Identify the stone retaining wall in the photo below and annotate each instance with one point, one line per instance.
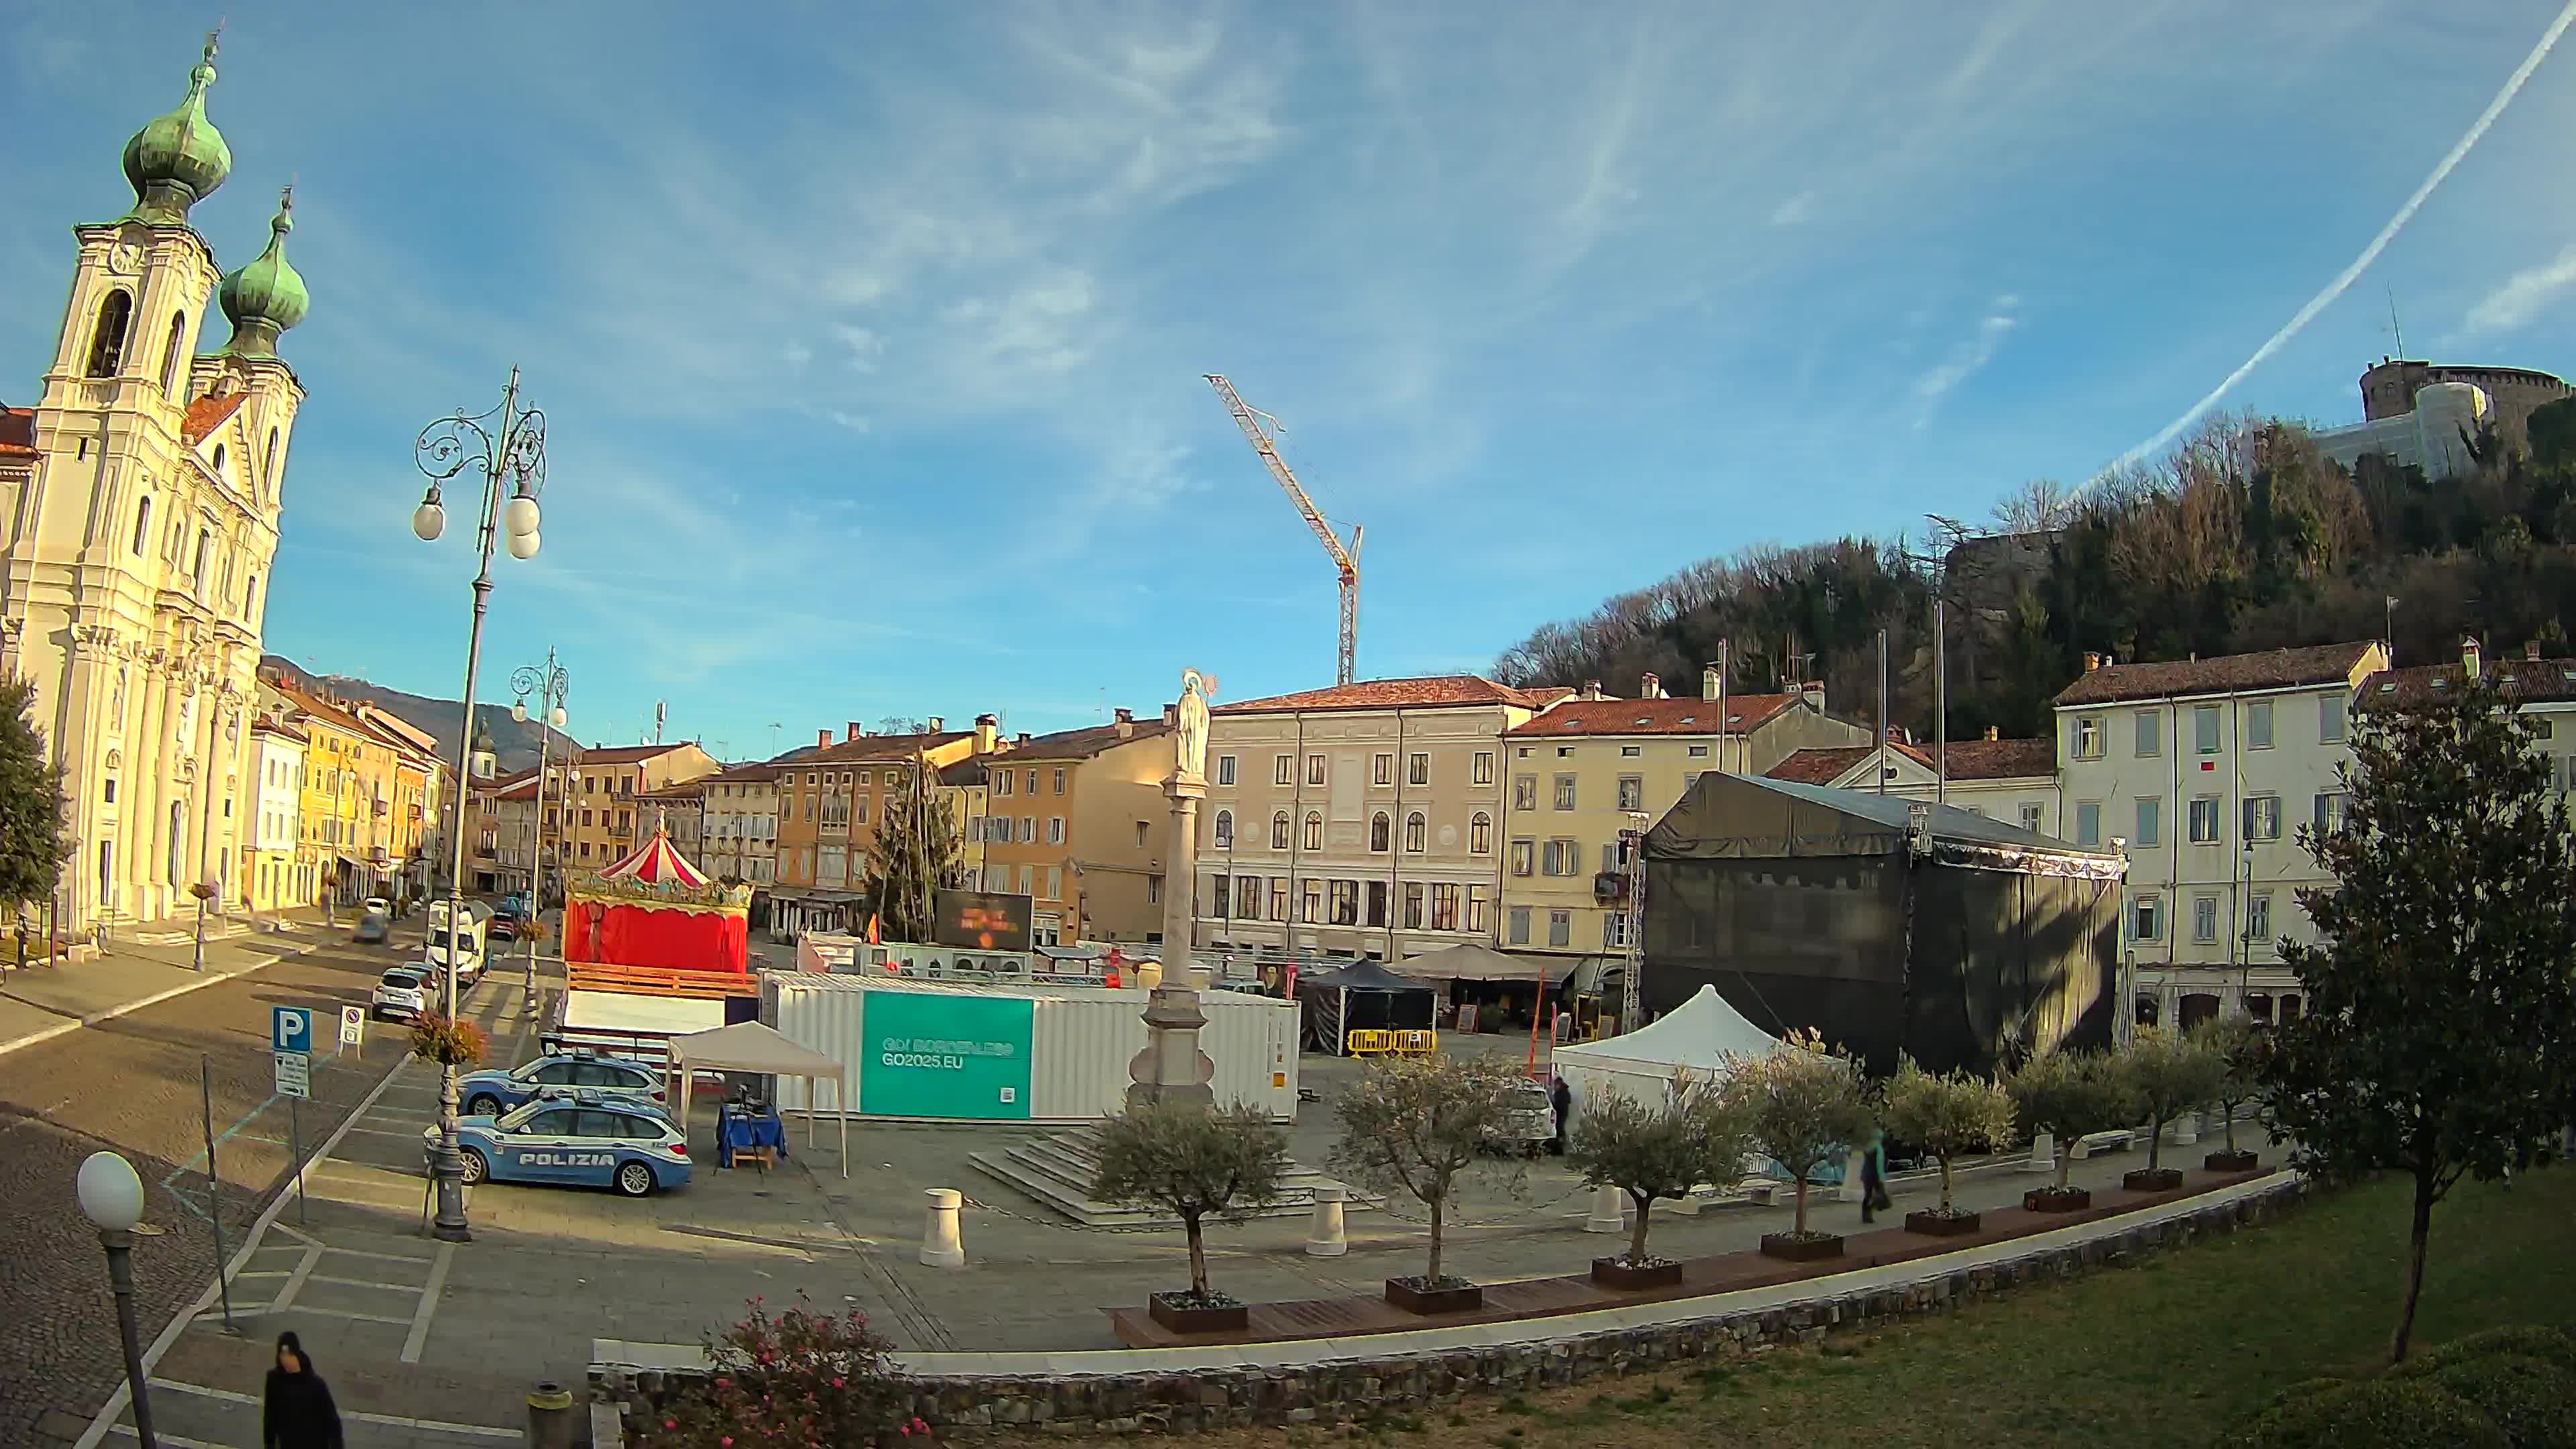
(1346, 1388)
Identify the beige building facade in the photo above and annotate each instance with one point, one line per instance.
(1078, 822)
(742, 825)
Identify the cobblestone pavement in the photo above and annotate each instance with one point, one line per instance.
(132, 1084)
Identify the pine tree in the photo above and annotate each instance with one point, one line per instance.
(2440, 1035)
(914, 853)
(32, 846)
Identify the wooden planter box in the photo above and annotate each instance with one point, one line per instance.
(2051, 1200)
(1934, 1225)
(1409, 1295)
(2152, 1179)
(1611, 1273)
(1792, 1248)
(2239, 1160)
(1173, 1311)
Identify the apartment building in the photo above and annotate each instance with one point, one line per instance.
(681, 811)
(365, 799)
(2545, 688)
(601, 814)
(830, 801)
(1580, 771)
(273, 881)
(742, 827)
(1078, 821)
(506, 837)
(965, 788)
(2014, 781)
(1364, 820)
(2204, 769)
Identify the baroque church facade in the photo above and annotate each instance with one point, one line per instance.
(142, 516)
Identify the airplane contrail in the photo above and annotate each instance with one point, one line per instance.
(2345, 278)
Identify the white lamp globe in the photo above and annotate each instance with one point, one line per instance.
(428, 521)
(519, 515)
(519, 711)
(111, 1196)
(557, 719)
(523, 545)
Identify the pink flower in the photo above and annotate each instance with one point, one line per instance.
(670, 1423)
(725, 1443)
(907, 1431)
(836, 1383)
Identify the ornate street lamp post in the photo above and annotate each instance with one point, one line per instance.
(111, 1197)
(508, 447)
(550, 685)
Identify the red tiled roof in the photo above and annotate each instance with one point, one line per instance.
(629, 754)
(1819, 766)
(271, 724)
(1084, 743)
(759, 772)
(17, 432)
(1744, 712)
(2533, 679)
(685, 790)
(2226, 674)
(882, 747)
(207, 414)
(1439, 691)
(1969, 760)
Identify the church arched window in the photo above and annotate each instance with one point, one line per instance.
(170, 354)
(250, 598)
(219, 460)
(268, 466)
(142, 524)
(107, 339)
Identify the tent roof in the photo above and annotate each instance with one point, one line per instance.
(1469, 961)
(1759, 816)
(1363, 975)
(1702, 1032)
(656, 862)
(748, 1046)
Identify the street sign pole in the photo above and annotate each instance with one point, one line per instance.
(215, 1190)
(295, 1144)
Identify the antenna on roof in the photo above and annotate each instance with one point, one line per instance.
(2398, 331)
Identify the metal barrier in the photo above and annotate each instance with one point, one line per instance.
(1374, 1041)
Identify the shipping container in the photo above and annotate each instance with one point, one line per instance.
(1002, 1053)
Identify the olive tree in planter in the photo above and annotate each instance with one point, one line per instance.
(1698, 1134)
(1417, 1125)
(1194, 1164)
(2239, 1047)
(1949, 1116)
(1802, 1103)
(2169, 1074)
(2071, 1094)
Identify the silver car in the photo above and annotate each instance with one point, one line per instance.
(1528, 1124)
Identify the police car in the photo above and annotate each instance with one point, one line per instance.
(491, 1093)
(590, 1139)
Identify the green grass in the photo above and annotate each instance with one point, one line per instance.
(2169, 1352)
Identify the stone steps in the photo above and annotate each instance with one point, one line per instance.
(1056, 1173)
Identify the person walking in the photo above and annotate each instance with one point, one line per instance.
(1873, 1177)
(297, 1412)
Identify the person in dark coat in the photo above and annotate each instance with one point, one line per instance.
(1873, 1178)
(1561, 1098)
(297, 1412)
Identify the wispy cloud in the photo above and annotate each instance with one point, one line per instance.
(1794, 210)
(1965, 360)
(2521, 297)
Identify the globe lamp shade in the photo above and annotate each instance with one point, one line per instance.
(519, 711)
(523, 545)
(428, 521)
(557, 719)
(111, 1196)
(519, 515)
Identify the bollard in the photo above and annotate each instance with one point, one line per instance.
(2184, 1130)
(2043, 1153)
(940, 1247)
(550, 1417)
(1609, 1211)
(1324, 1235)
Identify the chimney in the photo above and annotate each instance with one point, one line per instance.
(1127, 723)
(1591, 690)
(1708, 682)
(1650, 687)
(2531, 650)
(854, 731)
(939, 724)
(1023, 738)
(987, 728)
(1814, 692)
(822, 739)
(2469, 656)
(2092, 661)
(1990, 732)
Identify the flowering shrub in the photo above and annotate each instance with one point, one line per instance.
(448, 1042)
(797, 1379)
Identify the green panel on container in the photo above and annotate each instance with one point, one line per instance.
(946, 1056)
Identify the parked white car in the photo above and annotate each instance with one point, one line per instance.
(403, 994)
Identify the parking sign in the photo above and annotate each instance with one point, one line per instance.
(290, 1029)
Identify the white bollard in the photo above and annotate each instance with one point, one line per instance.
(2043, 1153)
(1609, 1211)
(1685, 1206)
(940, 1247)
(1324, 1235)
(2184, 1130)
(1850, 1189)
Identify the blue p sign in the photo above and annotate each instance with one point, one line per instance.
(290, 1029)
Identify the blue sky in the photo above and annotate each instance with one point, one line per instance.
(872, 336)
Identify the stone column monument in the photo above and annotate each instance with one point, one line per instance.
(1171, 1068)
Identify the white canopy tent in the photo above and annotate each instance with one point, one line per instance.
(1698, 1037)
(748, 1046)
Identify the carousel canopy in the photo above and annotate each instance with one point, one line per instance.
(657, 862)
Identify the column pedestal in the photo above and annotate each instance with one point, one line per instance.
(1171, 1068)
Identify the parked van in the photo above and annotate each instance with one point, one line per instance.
(462, 946)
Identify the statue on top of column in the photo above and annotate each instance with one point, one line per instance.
(1190, 738)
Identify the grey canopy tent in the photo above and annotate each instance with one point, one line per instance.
(1362, 996)
(748, 1046)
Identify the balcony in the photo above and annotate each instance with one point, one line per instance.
(1610, 886)
(621, 832)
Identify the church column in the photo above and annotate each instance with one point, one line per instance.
(149, 869)
(89, 666)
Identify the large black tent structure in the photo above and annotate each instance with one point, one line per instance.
(1362, 996)
(1889, 925)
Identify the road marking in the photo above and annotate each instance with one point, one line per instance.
(333, 1313)
(365, 1283)
(396, 1420)
(420, 1317)
(295, 1281)
(381, 1257)
(155, 999)
(172, 1439)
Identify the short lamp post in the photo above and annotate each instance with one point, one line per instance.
(550, 685)
(508, 447)
(111, 1197)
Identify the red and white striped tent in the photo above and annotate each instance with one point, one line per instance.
(657, 862)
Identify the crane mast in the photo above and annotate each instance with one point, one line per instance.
(1345, 559)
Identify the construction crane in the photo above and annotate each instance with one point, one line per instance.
(1347, 560)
